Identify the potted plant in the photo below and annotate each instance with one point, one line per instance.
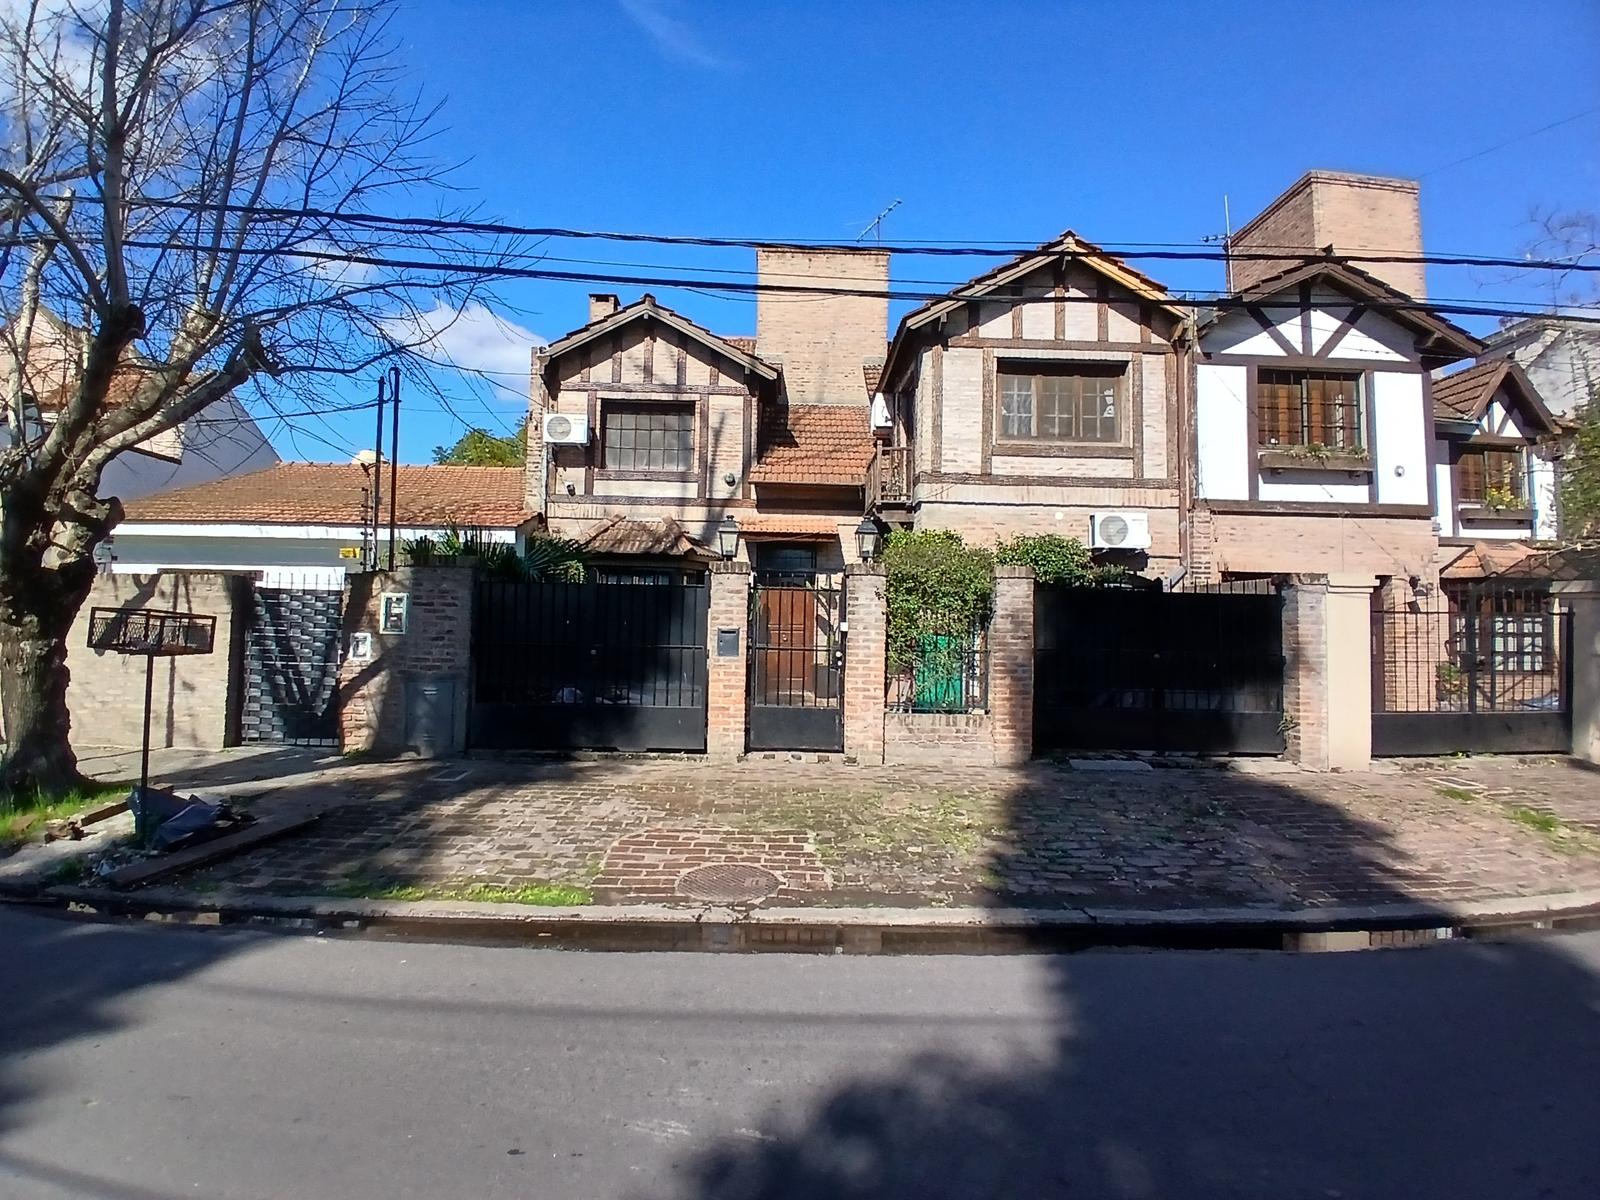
(1315, 456)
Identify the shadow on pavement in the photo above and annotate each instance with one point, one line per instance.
(1434, 1072)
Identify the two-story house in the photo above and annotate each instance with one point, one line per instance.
(1044, 396)
(655, 438)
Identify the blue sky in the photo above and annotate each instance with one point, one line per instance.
(998, 121)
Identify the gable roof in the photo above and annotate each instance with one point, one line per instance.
(660, 537)
(1357, 284)
(1466, 395)
(1067, 244)
(827, 444)
(645, 308)
(330, 494)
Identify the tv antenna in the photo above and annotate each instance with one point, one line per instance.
(875, 226)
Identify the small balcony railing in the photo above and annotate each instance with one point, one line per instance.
(889, 477)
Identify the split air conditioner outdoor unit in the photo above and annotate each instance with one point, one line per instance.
(1119, 530)
(564, 429)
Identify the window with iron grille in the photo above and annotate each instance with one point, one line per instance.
(647, 437)
(1076, 402)
(1308, 408)
(1486, 474)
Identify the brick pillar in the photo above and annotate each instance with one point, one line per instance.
(727, 691)
(1011, 665)
(1582, 599)
(1202, 547)
(434, 652)
(866, 647)
(1327, 643)
(1305, 660)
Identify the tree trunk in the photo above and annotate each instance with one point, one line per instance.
(35, 622)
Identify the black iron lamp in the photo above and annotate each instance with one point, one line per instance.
(728, 537)
(869, 539)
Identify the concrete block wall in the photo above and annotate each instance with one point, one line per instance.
(195, 696)
(1327, 641)
(436, 648)
(727, 691)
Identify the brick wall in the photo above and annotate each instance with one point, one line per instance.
(436, 647)
(195, 697)
(865, 661)
(823, 340)
(727, 693)
(1011, 664)
(946, 739)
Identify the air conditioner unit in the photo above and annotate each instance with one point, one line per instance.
(566, 429)
(1119, 530)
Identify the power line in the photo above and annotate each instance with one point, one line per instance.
(1510, 141)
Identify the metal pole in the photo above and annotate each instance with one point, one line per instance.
(377, 476)
(141, 817)
(394, 454)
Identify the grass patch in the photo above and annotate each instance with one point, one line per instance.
(541, 895)
(23, 818)
(1534, 819)
(1460, 795)
(855, 827)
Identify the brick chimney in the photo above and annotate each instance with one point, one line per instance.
(602, 305)
(1355, 214)
(822, 340)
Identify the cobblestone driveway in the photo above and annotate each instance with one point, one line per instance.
(1043, 835)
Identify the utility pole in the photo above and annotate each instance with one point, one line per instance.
(394, 458)
(377, 476)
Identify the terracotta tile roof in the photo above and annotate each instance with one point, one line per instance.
(662, 537)
(1483, 559)
(741, 342)
(330, 494)
(813, 443)
(124, 383)
(872, 375)
(794, 523)
(1458, 396)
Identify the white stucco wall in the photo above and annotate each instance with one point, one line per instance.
(1402, 430)
(1542, 491)
(1222, 432)
(1444, 490)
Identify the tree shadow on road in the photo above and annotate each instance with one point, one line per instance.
(1450, 1071)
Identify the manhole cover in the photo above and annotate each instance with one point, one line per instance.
(728, 882)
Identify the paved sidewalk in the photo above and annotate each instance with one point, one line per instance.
(1260, 836)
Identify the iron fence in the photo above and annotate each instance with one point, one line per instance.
(942, 674)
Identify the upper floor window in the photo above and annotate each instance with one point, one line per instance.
(1073, 402)
(647, 437)
(1483, 476)
(1308, 408)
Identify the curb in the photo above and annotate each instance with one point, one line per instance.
(844, 930)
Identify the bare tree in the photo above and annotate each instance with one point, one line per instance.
(1569, 236)
(167, 173)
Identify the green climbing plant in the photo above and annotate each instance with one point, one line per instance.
(1058, 560)
(936, 587)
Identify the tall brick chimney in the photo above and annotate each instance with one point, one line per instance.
(1353, 213)
(602, 305)
(822, 340)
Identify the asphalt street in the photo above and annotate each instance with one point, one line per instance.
(139, 1063)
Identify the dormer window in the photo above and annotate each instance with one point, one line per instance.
(1072, 402)
(1308, 408)
(1494, 478)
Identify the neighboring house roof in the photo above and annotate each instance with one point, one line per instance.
(331, 494)
(739, 350)
(872, 375)
(660, 537)
(792, 526)
(1069, 243)
(1466, 395)
(1483, 559)
(828, 444)
(1359, 285)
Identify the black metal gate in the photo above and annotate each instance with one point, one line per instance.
(796, 665)
(1484, 669)
(291, 667)
(1120, 669)
(589, 666)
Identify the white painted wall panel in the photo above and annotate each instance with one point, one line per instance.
(1377, 337)
(1039, 314)
(994, 320)
(1154, 391)
(1331, 488)
(1402, 432)
(1222, 432)
(962, 419)
(1444, 491)
(1542, 491)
